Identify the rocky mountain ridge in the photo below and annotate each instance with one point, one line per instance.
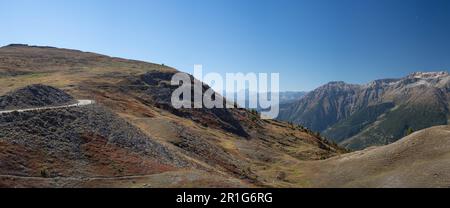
(337, 108)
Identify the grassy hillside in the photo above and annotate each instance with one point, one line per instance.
(356, 122)
(419, 160)
(222, 147)
(394, 125)
(131, 137)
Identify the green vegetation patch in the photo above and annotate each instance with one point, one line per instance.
(357, 122)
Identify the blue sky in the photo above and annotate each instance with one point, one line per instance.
(308, 42)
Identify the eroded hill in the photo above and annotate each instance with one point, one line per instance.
(175, 148)
(34, 96)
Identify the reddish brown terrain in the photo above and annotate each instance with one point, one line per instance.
(131, 136)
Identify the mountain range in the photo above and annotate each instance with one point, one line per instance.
(377, 113)
(284, 97)
(129, 135)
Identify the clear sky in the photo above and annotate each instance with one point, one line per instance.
(308, 42)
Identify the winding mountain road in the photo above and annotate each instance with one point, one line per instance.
(79, 103)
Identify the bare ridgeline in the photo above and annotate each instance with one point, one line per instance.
(132, 137)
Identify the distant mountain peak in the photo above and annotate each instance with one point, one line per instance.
(337, 83)
(334, 85)
(427, 75)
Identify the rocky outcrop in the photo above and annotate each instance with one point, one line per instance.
(34, 96)
(161, 90)
(88, 141)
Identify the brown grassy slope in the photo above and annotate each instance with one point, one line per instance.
(421, 159)
(263, 156)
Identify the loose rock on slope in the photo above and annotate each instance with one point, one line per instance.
(34, 96)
